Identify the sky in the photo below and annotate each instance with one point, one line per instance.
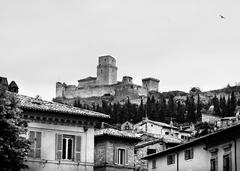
(183, 43)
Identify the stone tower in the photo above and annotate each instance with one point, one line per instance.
(151, 84)
(106, 70)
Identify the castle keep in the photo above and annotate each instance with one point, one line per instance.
(106, 84)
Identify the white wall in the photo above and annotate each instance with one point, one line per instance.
(200, 161)
(48, 148)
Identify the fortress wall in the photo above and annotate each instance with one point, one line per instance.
(89, 91)
(59, 89)
(87, 83)
(129, 90)
(142, 91)
(153, 86)
(112, 75)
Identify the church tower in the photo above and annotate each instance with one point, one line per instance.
(106, 70)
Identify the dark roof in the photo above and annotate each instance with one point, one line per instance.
(116, 133)
(30, 103)
(87, 79)
(13, 85)
(226, 133)
(150, 78)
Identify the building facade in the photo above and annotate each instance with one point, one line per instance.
(114, 150)
(219, 151)
(160, 128)
(151, 144)
(62, 136)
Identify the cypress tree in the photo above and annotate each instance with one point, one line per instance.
(199, 108)
(229, 106)
(233, 104)
(216, 105)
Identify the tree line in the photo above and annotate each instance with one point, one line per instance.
(223, 107)
(162, 110)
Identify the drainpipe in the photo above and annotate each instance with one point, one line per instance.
(177, 162)
(235, 151)
(86, 150)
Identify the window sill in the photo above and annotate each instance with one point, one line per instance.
(172, 164)
(59, 163)
(188, 160)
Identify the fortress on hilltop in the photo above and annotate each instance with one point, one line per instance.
(106, 84)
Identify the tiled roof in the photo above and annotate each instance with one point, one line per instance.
(159, 138)
(31, 103)
(156, 123)
(116, 133)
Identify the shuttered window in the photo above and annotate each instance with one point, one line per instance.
(171, 159)
(188, 154)
(35, 148)
(68, 147)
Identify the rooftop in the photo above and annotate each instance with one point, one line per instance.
(164, 138)
(87, 79)
(162, 124)
(116, 133)
(150, 78)
(36, 104)
(228, 132)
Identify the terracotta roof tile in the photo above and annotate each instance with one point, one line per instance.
(31, 103)
(116, 133)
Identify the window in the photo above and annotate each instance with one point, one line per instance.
(227, 158)
(171, 159)
(35, 148)
(67, 152)
(154, 164)
(127, 127)
(151, 151)
(213, 164)
(227, 162)
(189, 154)
(121, 156)
(68, 147)
(214, 160)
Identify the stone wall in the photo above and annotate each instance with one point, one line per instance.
(90, 82)
(141, 165)
(104, 154)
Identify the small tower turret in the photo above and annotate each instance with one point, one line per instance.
(127, 80)
(151, 84)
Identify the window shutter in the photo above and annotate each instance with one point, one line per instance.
(78, 148)
(115, 155)
(32, 146)
(126, 153)
(58, 146)
(38, 145)
(168, 160)
(186, 154)
(191, 153)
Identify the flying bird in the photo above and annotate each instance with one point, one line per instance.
(222, 17)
